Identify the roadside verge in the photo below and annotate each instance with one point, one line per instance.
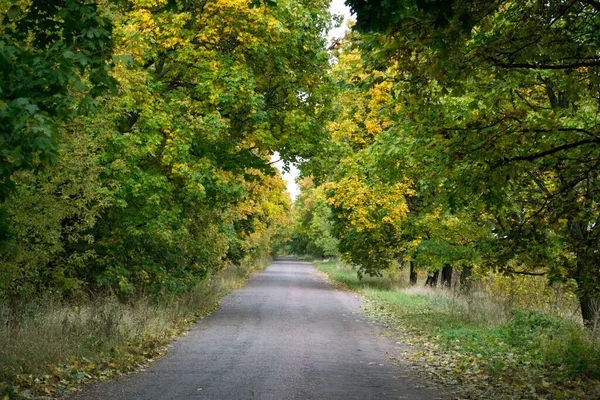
(477, 350)
(57, 348)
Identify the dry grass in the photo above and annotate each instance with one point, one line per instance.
(532, 292)
(50, 346)
(493, 342)
(507, 293)
(478, 306)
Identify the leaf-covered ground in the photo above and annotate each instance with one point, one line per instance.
(474, 351)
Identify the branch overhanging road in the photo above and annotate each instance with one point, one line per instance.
(287, 334)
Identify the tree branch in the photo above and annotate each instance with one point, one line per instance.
(532, 157)
(595, 63)
(512, 271)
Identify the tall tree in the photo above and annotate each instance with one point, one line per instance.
(168, 178)
(502, 100)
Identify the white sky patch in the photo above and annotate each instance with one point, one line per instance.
(337, 7)
(289, 177)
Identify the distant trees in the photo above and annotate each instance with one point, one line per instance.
(311, 232)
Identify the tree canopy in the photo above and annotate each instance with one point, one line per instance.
(480, 118)
(138, 134)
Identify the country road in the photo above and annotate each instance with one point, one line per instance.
(287, 334)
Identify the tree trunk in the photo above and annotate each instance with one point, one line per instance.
(447, 275)
(587, 311)
(432, 279)
(465, 282)
(589, 304)
(413, 274)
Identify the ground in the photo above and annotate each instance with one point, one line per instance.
(287, 334)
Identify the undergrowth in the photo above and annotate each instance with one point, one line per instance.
(479, 349)
(52, 347)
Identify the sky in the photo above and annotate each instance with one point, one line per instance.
(337, 7)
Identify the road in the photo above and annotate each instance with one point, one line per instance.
(287, 334)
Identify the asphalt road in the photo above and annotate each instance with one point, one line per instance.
(287, 334)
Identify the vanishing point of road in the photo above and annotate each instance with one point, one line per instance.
(287, 334)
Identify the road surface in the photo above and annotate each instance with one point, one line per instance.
(287, 334)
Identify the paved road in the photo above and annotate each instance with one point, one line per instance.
(287, 334)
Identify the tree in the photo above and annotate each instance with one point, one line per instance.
(312, 231)
(500, 99)
(51, 53)
(209, 90)
(175, 179)
(51, 212)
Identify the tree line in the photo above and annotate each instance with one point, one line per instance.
(137, 136)
(464, 133)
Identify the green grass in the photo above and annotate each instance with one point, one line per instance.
(51, 347)
(348, 278)
(476, 347)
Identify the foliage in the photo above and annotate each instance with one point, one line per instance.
(167, 178)
(312, 223)
(51, 214)
(53, 60)
(486, 114)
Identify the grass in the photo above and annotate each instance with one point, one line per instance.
(53, 347)
(477, 347)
